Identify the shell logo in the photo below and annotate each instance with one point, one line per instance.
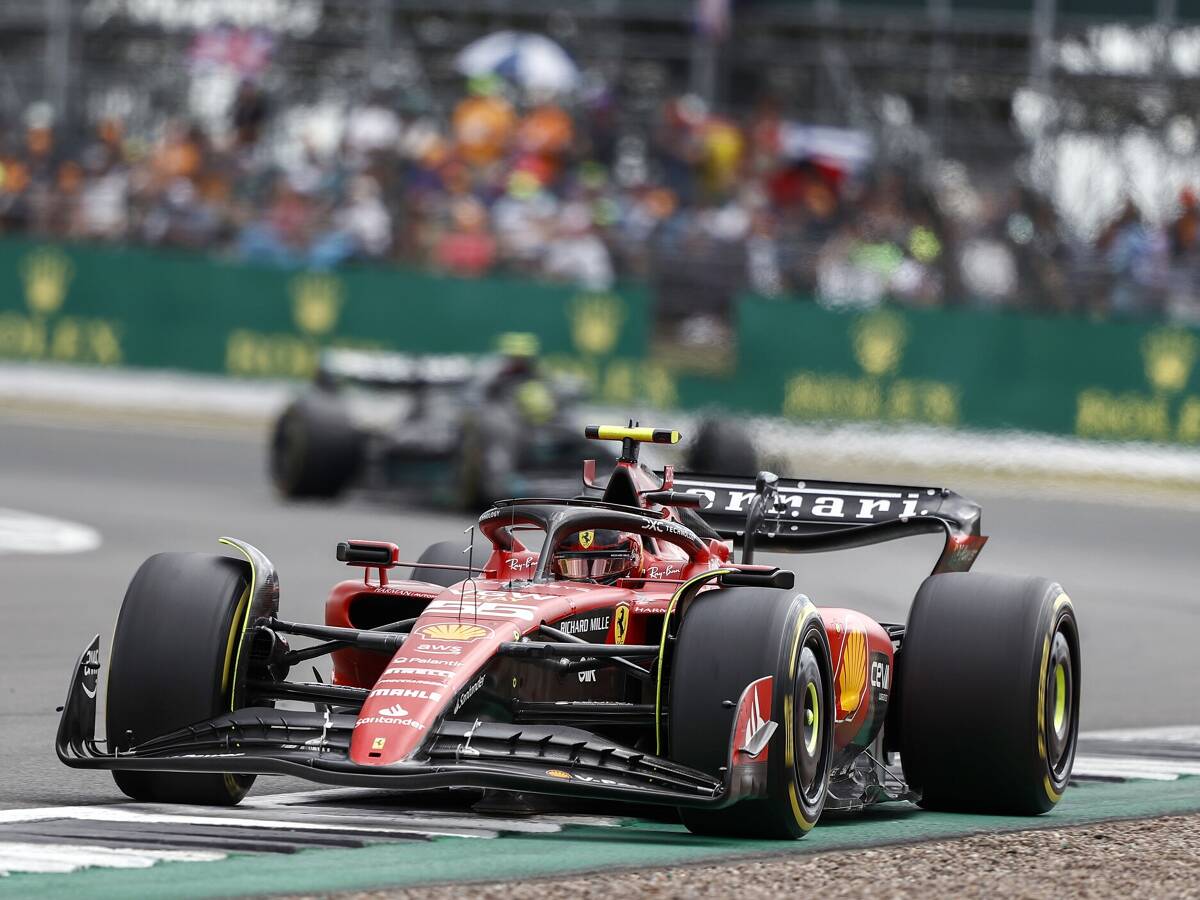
(451, 631)
(852, 674)
(558, 773)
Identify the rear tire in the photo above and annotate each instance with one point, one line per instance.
(443, 553)
(727, 639)
(988, 682)
(722, 447)
(174, 663)
(315, 448)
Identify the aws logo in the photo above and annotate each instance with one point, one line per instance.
(1165, 413)
(42, 332)
(877, 342)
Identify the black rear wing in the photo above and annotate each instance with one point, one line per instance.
(396, 371)
(808, 516)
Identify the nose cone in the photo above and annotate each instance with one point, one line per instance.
(438, 661)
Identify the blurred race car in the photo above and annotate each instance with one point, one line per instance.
(611, 647)
(448, 430)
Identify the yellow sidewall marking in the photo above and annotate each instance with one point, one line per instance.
(1060, 696)
(237, 660)
(234, 633)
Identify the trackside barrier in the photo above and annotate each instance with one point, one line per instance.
(107, 306)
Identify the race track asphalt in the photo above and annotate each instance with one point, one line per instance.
(1132, 570)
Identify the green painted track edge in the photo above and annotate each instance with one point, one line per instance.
(578, 849)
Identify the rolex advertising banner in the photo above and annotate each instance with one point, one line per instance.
(123, 307)
(1114, 380)
(131, 307)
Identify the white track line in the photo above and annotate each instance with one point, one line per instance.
(16, 856)
(1166, 734)
(109, 814)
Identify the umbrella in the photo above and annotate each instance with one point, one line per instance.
(530, 60)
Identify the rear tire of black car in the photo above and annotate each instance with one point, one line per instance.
(315, 449)
(722, 447)
(174, 663)
(987, 684)
(443, 553)
(727, 639)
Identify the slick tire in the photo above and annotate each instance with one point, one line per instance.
(173, 663)
(727, 639)
(722, 447)
(987, 684)
(443, 553)
(315, 449)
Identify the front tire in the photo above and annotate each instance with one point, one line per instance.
(988, 690)
(315, 449)
(443, 553)
(174, 663)
(727, 639)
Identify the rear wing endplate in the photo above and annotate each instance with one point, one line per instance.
(808, 516)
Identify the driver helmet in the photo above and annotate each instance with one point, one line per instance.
(597, 556)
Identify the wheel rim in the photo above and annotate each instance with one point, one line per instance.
(1060, 704)
(809, 737)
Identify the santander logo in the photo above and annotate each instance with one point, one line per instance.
(396, 710)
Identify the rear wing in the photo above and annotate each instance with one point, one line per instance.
(807, 516)
(397, 371)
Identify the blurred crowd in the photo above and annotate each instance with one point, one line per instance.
(530, 186)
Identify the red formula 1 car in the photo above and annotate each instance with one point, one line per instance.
(608, 647)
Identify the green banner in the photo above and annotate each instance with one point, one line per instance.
(128, 307)
(1115, 380)
(110, 307)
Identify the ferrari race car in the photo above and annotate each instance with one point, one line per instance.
(611, 647)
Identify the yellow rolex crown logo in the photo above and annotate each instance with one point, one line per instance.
(47, 273)
(454, 632)
(596, 323)
(316, 303)
(879, 340)
(1169, 356)
(853, 677)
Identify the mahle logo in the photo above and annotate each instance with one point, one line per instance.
(1168, 360)
(316, 303)
(596, 321)
(46, 274)
(877, 342)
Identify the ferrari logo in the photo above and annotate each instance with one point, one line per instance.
(586, 538)
(620, 623)
(378, 743)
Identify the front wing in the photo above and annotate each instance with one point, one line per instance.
(542, 759)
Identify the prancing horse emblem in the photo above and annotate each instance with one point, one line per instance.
(586, 538)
